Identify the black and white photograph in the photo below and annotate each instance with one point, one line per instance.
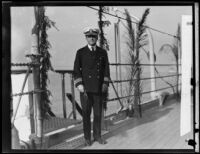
(100, 76)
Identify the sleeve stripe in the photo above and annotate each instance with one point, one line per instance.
(78, 80)
(106, 79)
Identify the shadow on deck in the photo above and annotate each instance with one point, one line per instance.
(159, 128)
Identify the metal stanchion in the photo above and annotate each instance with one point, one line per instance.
(73, 96)
(63, 94)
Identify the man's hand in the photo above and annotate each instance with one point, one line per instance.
(81, 88)
(104, 88)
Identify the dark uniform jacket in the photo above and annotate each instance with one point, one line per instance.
(91, 68)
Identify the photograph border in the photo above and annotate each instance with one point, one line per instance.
(6, 68)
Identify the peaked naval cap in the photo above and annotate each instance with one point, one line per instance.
(91, 31)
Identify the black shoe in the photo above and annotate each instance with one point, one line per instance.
(101, 141)
(88, 143)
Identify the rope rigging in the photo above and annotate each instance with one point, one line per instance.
(135, 22)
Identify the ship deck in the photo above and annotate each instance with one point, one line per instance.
(159, 128)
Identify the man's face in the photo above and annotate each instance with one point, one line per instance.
(92, 39)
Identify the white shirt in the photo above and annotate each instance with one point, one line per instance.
(90, 47)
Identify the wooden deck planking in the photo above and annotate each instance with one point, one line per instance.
(166, 139)
(172, 135)
(164, 133)
(159, 128)
(134, 133)
(150, 134)
(154, 131)
(181, 142)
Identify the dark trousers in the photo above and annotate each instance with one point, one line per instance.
(92, 100)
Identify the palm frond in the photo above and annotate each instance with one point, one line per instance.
(141, 28)
(131, 70)
(168, 48)
(44, 23)
(130, 30)
(103, 41)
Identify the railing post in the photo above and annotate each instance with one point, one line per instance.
(31, 110)
(73, 96)
(63, 94)
(116, 52)
(34, 114)
(37, 100)
(119, 56)
(35, 58)
(152, 62)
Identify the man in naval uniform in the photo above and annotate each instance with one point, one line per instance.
(91, 74)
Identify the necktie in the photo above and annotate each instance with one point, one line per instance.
(92, 49)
